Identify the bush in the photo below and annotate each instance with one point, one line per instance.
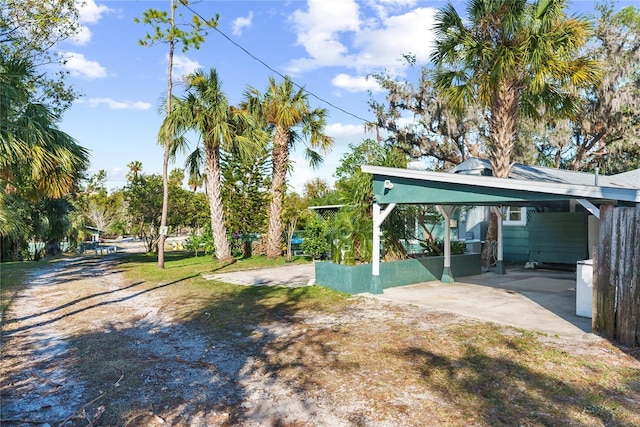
(315, 238)
(202, 243)
(436, 248)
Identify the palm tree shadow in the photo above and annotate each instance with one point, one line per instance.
(83, 309)
(502, 391)
(208, 363)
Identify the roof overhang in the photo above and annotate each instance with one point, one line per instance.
(408, 186)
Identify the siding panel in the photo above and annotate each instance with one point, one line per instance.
(558, 237)
(516, 243)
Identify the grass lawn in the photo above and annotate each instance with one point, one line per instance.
(369, 362)
(12, 276)
(473, 372)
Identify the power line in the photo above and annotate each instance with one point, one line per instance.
(277, 72)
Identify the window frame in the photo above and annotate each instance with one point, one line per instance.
(523, 216)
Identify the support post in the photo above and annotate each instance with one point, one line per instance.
(499, 262)
(446, 211)
(378, 218)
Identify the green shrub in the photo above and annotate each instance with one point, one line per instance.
(315, 238)
(436, 248)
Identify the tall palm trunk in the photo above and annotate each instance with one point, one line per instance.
(279, 172)
(214, 192)
(502, 127)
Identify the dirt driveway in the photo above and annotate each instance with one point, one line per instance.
(190, 379)
(84, 346)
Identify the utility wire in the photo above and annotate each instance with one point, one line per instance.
(277, 72)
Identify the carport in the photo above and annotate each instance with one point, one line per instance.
(534, 300)
(447, 191)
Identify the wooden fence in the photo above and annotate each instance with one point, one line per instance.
(616, 276)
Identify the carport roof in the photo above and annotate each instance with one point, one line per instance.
(408, 186)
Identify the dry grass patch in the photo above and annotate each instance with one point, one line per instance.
(458, 373)
(165, 347)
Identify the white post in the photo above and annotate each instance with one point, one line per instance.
(378, 218)
(375, 268)
(499, 264)
(446, 211)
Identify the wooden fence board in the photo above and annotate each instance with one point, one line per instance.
(627, 312)
(616, 291)
(603, 321)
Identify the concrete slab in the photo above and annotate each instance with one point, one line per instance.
(291, 276)
(536, 300)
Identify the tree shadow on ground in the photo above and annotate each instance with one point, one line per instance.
(499, 391)
(212, 354)
(201, 367)
(152, 258)
(8, 332)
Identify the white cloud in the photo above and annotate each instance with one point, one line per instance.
(115, 176)
(327, 16)
(90, 12)
(241, 23)
(407, 33)
(83, 36)
(372, 36)
(116, 105)
(183, 65)
(301, 173)
(343, 134)
(318, 31)
(383, 8)
(79, 66)
(355, 84)
(339, 130)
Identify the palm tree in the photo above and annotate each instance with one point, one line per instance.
(206, 110)
(33, 150)
(135, 168)
(165, 30)
(37, 160)
(513, 58)
(284, 109)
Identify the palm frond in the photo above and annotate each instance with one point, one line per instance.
(194, 164)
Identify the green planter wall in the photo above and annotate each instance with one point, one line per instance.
(355, 279)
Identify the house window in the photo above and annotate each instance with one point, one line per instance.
(515, 216)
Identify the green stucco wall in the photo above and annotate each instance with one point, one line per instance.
(355, 279)
(558, 237)
(516, 243)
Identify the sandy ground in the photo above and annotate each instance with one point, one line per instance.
(204, 383)
(40, 387)
(188, 379)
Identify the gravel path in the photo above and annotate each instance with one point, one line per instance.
(182, 377)
(84, 346)
(190, 380)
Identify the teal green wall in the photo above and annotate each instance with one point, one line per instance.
(414, 191)
(558, 237)
(438, 232)
(354, 279)
(516, 243)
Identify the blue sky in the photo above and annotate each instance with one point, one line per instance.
(327, 46)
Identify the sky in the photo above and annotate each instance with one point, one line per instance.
(329, 47)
